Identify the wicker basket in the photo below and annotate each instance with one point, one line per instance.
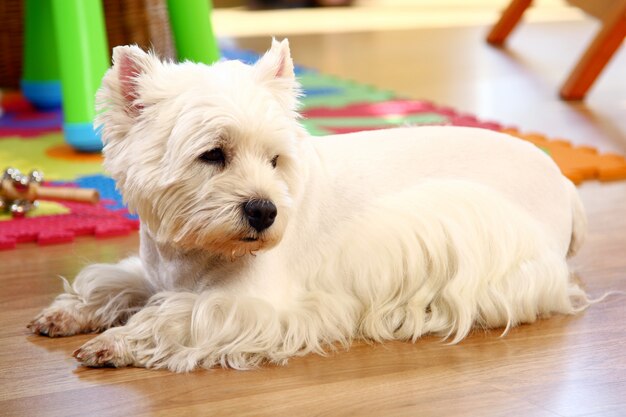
(11, 42)
(143, 22)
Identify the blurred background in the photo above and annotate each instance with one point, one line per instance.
(234, 17)
(422, 49)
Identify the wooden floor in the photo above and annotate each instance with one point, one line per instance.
(564, 366)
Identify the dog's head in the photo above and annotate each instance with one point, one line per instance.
(206, 155)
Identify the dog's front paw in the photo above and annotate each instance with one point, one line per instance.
(55, 322)
(106, 350)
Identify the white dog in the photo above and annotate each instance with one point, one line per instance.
(259, 242)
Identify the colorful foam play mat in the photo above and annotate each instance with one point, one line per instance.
(32, 139)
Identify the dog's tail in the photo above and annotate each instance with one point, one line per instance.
(579, 221)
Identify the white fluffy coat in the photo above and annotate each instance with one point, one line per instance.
(379, 235)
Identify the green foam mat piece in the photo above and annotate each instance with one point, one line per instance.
(31, 153)
(348, 92)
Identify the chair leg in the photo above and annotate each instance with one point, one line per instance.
(597, 55)
(40, 75)
(509, 19)
(83, 60)
(192, 30)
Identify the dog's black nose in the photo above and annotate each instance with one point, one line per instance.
(260, 213)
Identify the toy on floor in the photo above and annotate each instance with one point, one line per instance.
(19, 192)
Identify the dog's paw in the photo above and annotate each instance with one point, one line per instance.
(105, 350)
(56, 323)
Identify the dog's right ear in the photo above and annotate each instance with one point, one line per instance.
(130, 63)
(119, 99)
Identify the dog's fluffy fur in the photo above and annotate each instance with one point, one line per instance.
(378, 235)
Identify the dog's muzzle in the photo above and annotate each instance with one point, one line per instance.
(260, 214)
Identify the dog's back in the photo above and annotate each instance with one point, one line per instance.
(366, 165)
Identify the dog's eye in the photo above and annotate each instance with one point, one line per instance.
(274, 161)
(214, 156)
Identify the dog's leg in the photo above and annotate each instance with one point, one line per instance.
(183, 331)
(102, 296)
(579, 221)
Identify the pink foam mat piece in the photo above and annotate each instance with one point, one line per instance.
(398, 107)
(384, 108)
(84, 219)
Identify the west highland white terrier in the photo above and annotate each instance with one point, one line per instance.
(260, 242)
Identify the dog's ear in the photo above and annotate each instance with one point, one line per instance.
(119, 100)
(276, 63)
(129, 64)
(275, 70)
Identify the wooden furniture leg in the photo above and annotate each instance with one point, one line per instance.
(597, 55)
(509, 19)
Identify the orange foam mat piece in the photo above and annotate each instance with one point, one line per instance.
(578, 163)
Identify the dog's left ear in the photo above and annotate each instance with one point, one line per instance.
(276, 63)
(275, 70)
